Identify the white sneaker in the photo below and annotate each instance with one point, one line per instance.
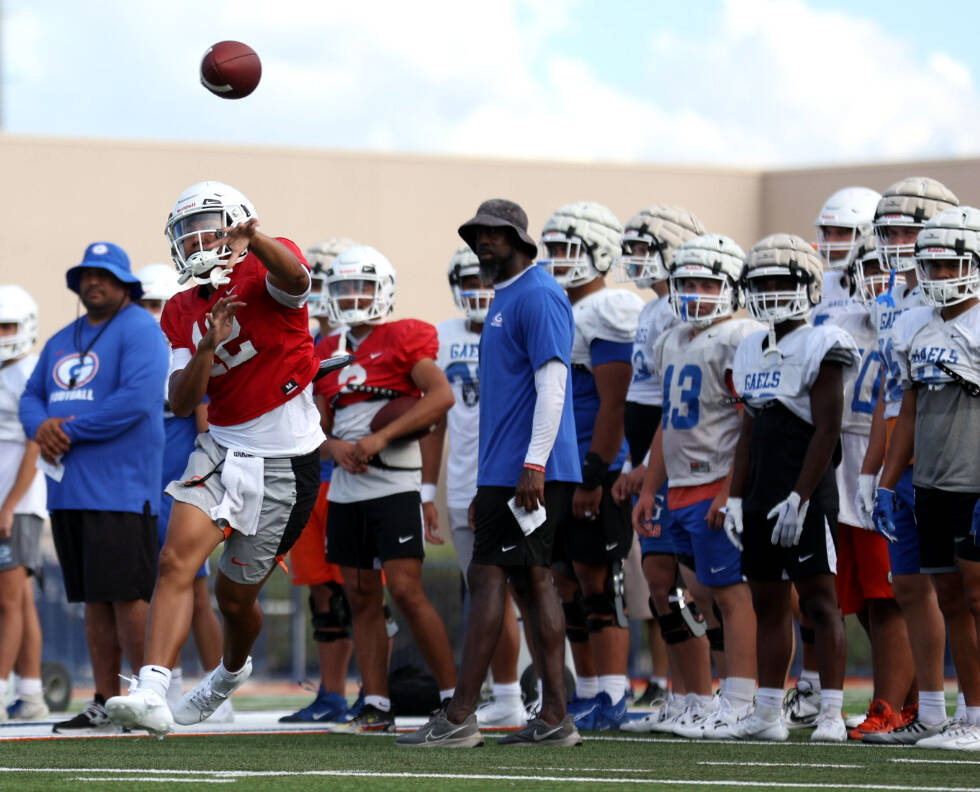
(949, 735)
(224, 714)
(501, 713)
(141, 709)
(830, 728)
(801, 706)
(660, 721)
(27, 707)
(724, 723)
(968, 739)
(206, 696)
(174, 693)
(693, 719)
(762, 726)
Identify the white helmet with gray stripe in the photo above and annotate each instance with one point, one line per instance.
(582, 241)
(794, 261)
(473, 302)
(903, 209)
(650, 238)
(947, 256)
(708, 257)
(320, 256)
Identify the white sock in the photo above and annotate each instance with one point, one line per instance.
(932, 707)
(155, 678)
(382, 703)
(587, 687)
(446, 694)
(613, 685)
(831, 701)
(813, 677)
(739, 690)
(506, 691)
(177, 677)
(769, 701)
(224, 680)
(960, 707)
(973, 716)
(29, 686)
(540, 688)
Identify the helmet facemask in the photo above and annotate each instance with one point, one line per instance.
(835, 244)
(567, 259)
(472, 298)
(642, 260)
(895, 236)
(20, 342)
(780, 304)
(872, 279)
(701, 307)
(960, 279)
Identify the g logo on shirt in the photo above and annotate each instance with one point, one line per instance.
(72, 371)
(498, 320)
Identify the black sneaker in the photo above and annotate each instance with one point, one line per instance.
(369, 719)
(92, 717)
(439, 732)
(653, 697)
(537, 732)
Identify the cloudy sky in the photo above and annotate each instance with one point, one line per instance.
(734, 82)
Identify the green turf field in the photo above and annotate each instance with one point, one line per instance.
(344, 762)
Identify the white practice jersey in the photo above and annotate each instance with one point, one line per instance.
(835, 299)
(884, 314)
(860, 391)
(607, 315)
(700, 419)
(459, 358)
(923, 339)
(788, 375)
(13, 379)
(656, 317)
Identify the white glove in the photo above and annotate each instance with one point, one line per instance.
(864, 500)
(733, 522)
(789, 520)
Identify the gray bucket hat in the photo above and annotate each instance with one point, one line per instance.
(499, 213)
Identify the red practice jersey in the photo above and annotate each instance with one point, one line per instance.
(268, 358)
(383, 363)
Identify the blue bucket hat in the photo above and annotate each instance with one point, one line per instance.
(105, 255)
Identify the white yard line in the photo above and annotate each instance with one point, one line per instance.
(777, 764)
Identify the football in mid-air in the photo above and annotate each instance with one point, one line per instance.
(396, 408)
(230, 69)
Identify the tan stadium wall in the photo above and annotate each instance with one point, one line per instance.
(61, 194)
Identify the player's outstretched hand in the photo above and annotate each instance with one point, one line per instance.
(733, 522)
(789, 514)
(886, 505)
(864, 500)
(237, 238)
(221, 322)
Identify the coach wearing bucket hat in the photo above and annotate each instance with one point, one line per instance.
(94, 405)
(528, 466)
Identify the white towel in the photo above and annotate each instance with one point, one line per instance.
(243, 478)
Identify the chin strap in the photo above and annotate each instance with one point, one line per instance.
(772, 349)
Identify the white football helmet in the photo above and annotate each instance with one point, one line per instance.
(320, 256)
(360, 287)
(869, 276)
(204, 208)
(589, 236)
(473, 302)
(782, 256)
(708, 257)
(906, 205)
(852, 208)
(951, 237)
(17, 307)
(649, 240)
(159, 282)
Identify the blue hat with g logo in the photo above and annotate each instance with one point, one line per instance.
(107, 256)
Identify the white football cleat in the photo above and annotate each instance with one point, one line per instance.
(201, 702)
(141, 709)
(762, 726)
(801, 705)
(501, 713)
(830, 728)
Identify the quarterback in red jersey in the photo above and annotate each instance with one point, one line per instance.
(375, 517)
(240, 337)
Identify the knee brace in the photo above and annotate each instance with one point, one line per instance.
(391, 626)
(610, 603)
(681, 622)
(575, 619)
(716, 638)
(334, 624)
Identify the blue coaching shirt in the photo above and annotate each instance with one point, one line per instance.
(529, 323)
(116, 458)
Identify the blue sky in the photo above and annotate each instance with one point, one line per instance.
(745, 83)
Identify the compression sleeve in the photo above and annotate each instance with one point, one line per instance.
(550, 381)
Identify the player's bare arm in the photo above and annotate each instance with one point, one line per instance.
(189, 385)
(900, 446)
(286, 272)
(432, 445)
(22, 483)
(612, 381)
(437, 398)
(654, 476)
(826, 407)
(875, 454)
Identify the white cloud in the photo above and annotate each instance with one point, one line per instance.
(767, 82)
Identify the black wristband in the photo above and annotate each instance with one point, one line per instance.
(593, 471)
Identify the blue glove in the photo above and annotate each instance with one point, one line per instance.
(886, 504)
(975, 529)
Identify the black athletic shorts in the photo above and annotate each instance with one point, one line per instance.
(499, 540)
(106, 556)
(943, 520)
(777, 447)
(365, 534)
(640, 422)
(606, 538)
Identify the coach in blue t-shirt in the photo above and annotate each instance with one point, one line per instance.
(94, 405)
(528, 456)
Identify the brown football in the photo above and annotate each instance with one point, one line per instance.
(230, 69)
(396, 408)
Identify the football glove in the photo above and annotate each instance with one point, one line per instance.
(886, 504)
(864, 501)
(789, 516)
(733, 522)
